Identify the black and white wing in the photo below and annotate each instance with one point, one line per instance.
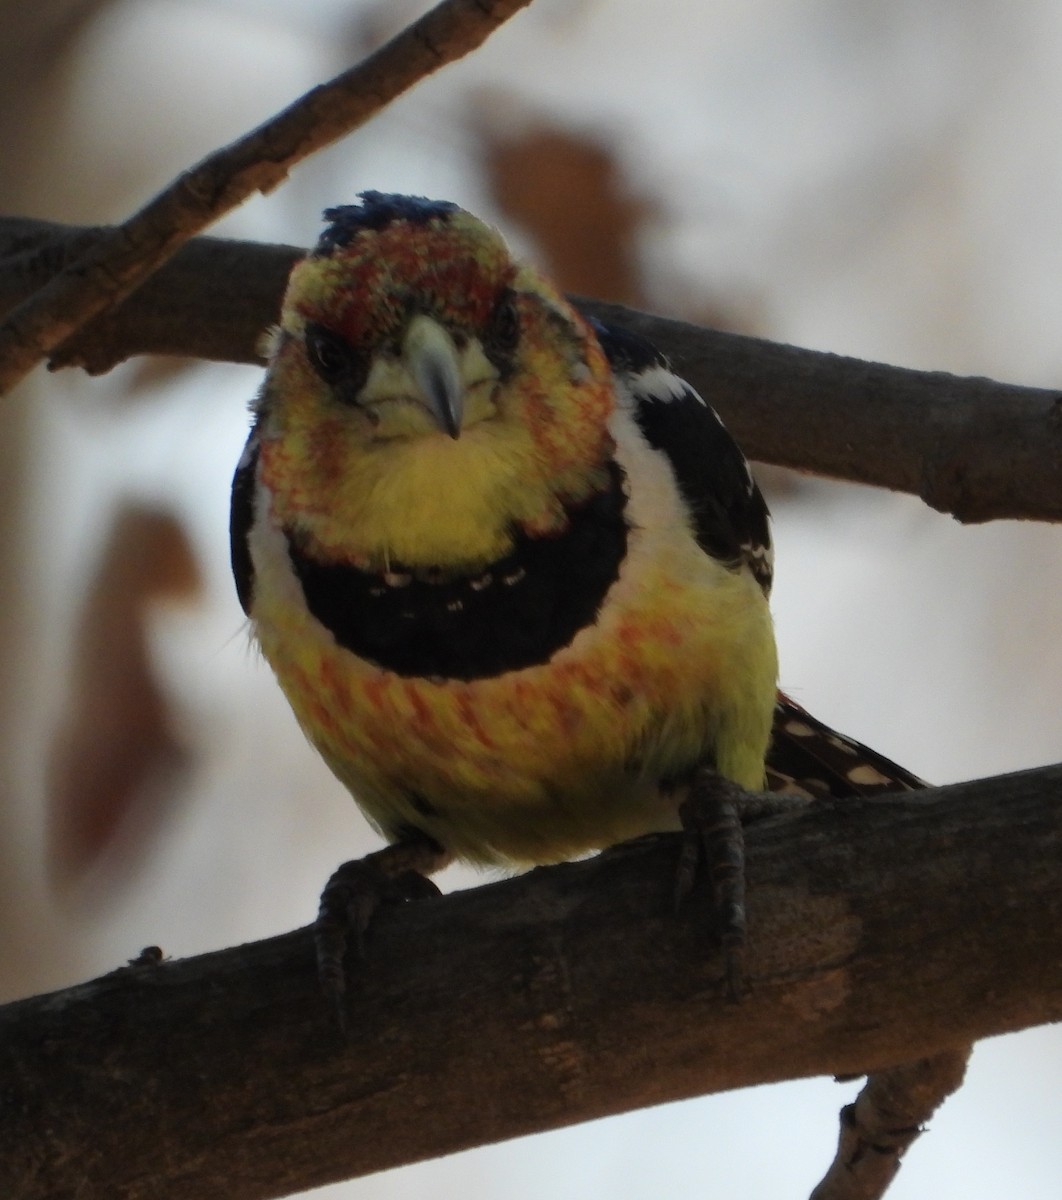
(729, 513)
(731, 522)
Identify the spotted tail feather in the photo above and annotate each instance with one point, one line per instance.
(809, 758)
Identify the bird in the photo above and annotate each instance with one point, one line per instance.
(511, 572)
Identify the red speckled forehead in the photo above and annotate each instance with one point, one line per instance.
(453, 267)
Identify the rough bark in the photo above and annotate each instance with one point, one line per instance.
(885, 1119)
(881, 932)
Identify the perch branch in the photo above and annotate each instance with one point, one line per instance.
(882, 931)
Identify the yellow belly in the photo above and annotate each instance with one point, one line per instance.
(548, 762)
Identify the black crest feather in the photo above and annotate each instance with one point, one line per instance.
(376, 211)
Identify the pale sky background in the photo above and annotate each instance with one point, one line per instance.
(881, 179)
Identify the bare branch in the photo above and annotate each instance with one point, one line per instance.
(882, 932)
(971, 447)
(888, 1114)
(213, 299)
(974, 448)
(122, 257)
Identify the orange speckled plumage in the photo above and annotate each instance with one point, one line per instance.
(674, 667)
(541, 764)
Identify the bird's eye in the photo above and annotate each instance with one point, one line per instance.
(330, 355)
(503, 331)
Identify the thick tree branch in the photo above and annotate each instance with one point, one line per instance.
(119, 259)
(971, 447)
(881, 932)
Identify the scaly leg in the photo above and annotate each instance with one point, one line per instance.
(354, 893)
(713, 815)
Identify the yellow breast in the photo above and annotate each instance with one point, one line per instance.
(554, 760)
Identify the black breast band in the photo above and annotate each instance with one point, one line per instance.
(514, 613)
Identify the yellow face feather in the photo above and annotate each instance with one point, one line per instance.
(374, 477)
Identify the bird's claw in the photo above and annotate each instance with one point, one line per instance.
(714, 840)
(713, 817)
(350, 900)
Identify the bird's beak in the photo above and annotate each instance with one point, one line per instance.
(432, 359)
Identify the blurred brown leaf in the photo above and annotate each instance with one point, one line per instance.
(567, 189)
(115, 756)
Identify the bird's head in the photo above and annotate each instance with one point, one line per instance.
(426, 394)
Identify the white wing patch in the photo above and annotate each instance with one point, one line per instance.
(760, 559)
(660, 383)
(722, 502)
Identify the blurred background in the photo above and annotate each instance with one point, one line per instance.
(881, 179)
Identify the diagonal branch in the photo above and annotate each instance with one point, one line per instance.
(882, 931)
(120, 258)
(971, 447)
(888, 1114)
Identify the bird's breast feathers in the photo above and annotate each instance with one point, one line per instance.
(672, 663)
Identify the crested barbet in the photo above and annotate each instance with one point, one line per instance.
(510, 570)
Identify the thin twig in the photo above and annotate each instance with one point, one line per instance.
(124, 256)
(886, 1117)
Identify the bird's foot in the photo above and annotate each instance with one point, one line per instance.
(713, 815)
(352, 896)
